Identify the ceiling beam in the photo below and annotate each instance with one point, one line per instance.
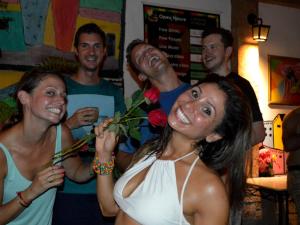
(287, 3)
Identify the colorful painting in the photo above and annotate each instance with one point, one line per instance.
(31, 31)
(284, 86)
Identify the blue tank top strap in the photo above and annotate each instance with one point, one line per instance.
(58, 138)
(6, 153)
(184, 156)
(58, 143)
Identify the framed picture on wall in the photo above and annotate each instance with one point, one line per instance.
(284, 80)
(178, 33)
(33, 31)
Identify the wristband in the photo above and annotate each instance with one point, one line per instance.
(105, 168)
(22, 201)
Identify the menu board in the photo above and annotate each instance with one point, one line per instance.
(178, 33)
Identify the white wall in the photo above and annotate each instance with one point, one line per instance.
(134, 22)
(284, 40)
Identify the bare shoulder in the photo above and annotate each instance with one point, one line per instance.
(204, 183)
(4, 134)
(9, 136)
(205, 196)
(66, 136)
(65, 129)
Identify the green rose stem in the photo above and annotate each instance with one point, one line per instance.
(76, 147)
(64, 153)
(129, 119)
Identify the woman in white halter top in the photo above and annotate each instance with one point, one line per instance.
(176, 179)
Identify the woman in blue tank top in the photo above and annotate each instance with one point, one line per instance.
(27, 184)
(194, 173)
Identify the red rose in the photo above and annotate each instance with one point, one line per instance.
(152, 94)
(157, 117)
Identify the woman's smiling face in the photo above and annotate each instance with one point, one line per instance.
(48, 99)
(198, 111)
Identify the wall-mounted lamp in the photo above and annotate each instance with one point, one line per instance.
(259, 30)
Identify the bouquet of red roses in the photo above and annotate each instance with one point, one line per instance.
(128, 123)
(124, 124)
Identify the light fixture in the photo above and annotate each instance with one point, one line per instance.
(259, 30)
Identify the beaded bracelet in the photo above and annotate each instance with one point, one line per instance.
(105, 168)
(22, 201)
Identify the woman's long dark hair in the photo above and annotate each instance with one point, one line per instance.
(227, 155)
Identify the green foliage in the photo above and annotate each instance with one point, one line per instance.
(135, 133)
(6, 111)
(128, 123)
(59, 64)
(124, 130)
(128, 103)
(138, 97)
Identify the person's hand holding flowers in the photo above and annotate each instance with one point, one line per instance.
(126, 124)
(106, 140)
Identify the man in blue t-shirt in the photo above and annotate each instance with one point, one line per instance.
(152, 65)
(89, 96)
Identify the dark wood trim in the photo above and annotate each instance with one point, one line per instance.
(287, 3)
